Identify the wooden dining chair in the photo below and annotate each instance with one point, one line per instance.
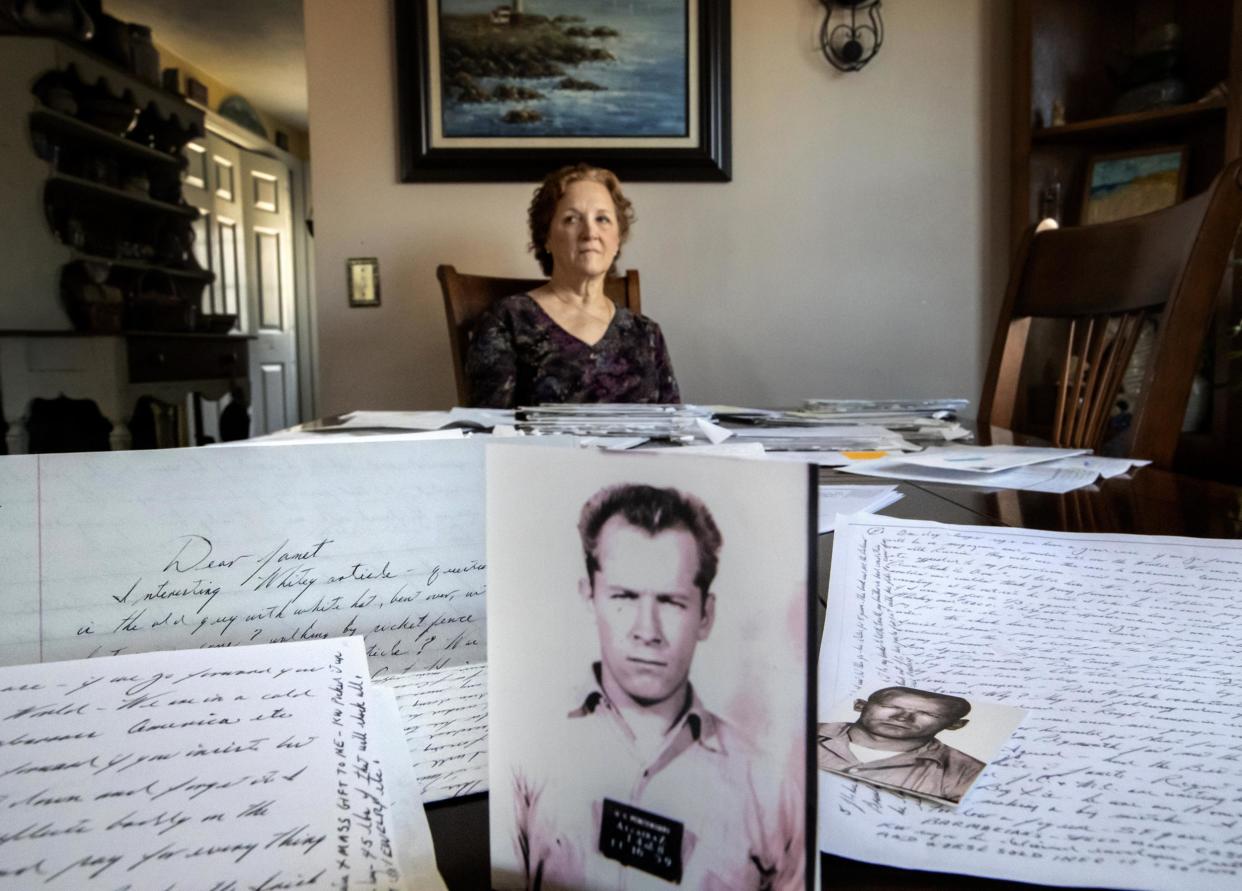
(467, 296)
(1101, 284)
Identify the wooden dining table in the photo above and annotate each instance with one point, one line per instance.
(1146, 501)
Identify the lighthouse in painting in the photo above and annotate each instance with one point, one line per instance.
(508, 14)
(563, 68)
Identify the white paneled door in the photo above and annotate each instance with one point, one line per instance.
(245, 237)
(210, 184)
(269, 266)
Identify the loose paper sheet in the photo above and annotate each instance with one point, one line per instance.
(837, 499)
(988, 459)
(1105, 467)
(823, 459)
(444, 713)
(251, 767)
(337, 435)
(831, 438)
(752, 450)
(487, 417)
(714, 432)
(129, 552)
(397, 420)
(1038, 478)
(416, 862)
(425, 420)
(1125, 651)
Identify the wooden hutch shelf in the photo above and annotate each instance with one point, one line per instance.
(196, 274)
(59, 122)
(1162, 121)
(1070, 55)
(112, 193)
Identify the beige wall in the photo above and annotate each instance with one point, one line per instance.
(859, 250)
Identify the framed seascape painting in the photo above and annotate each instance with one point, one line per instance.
(496, 91)
(1127, 184)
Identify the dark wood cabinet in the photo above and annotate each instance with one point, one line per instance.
(1074, 55)
(166, 357)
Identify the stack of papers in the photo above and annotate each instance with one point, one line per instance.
(671, 423)
(928, 407)
(916, 428)
(917, 420)
(920, 420)
(843, 438)
(999, 467)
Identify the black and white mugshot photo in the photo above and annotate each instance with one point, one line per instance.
(914, 740)
(647, 645)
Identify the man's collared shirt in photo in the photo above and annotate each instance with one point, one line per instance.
(737, 828)
(933, 769)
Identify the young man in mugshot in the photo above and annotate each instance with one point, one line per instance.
(642, 785)
(893, 741)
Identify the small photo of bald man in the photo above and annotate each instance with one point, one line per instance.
(926, 743)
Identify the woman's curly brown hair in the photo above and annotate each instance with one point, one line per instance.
(549, 194)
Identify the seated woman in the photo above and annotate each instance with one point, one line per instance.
(566, 341)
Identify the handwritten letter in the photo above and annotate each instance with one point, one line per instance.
(1125, 650)
(252, 767)
(221, 547)
(120, 553)
(445, 716)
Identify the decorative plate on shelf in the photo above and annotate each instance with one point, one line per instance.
(242, 113)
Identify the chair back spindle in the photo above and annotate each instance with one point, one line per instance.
(1102, 285)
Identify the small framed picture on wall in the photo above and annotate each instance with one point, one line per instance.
(1127, 184)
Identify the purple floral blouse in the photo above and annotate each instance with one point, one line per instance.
(520, 356)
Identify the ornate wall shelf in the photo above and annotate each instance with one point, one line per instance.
(58, 122)
(125, 197)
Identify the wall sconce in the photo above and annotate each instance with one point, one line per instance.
(848, 47)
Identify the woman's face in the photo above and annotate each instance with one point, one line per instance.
(584, 237)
